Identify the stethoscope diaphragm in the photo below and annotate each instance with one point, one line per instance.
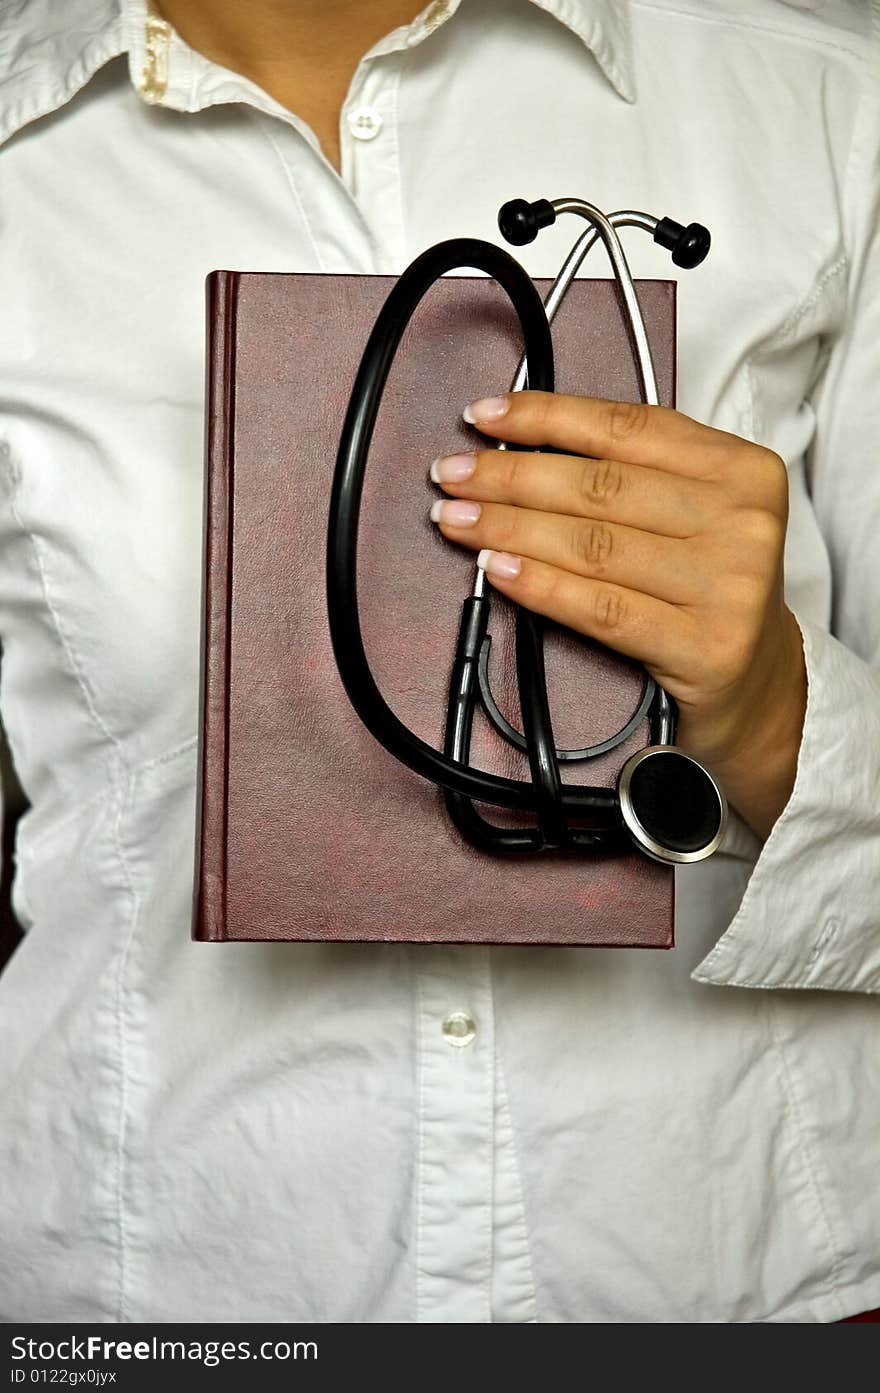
(671, 806)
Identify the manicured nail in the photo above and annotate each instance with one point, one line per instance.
(500, 564)
(486, 409)
(453, 469)
(455, 512)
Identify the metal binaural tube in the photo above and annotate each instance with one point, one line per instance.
(604, 229)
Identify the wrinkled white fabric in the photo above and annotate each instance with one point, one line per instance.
(283, 1132)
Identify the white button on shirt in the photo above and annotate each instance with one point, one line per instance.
(364, 123)
(459, 1029)
(295, 1132)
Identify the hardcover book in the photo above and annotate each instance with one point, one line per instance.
(307, 828)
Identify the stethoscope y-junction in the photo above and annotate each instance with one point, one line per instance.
(665, 802)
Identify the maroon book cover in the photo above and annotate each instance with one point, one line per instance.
(307, 828)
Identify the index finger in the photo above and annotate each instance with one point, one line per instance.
(655, 436)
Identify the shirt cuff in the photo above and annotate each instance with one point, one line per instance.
(810, 915)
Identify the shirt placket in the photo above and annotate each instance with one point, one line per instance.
(369, 156)
(455, 1024)
(353, 217)
(456, 1101)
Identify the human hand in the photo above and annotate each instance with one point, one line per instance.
(661, 538)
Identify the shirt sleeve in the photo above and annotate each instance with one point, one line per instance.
(810, 915)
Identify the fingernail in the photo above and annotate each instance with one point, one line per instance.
(455, 512)
(453, 469)
(486, 409)
(500, 564)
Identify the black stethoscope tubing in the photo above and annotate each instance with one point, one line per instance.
(544, 795)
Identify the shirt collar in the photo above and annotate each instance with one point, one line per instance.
(604, 27)
(48, 51)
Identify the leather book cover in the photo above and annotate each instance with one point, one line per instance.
(307, 828)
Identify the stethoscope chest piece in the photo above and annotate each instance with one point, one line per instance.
(672, 807)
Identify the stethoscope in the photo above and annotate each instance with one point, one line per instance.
(665, 802)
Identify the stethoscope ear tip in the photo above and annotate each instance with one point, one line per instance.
(672, 808)
(689, 245)
(520, 222)
(693, 247)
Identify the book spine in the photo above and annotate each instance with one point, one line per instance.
(209, 901)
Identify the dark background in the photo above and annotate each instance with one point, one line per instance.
(13, 804)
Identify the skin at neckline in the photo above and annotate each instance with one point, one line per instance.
(301, 52)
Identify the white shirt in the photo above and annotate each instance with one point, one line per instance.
(289, 1132)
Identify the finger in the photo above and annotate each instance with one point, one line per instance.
(636, 625)
(631, 494)
(654, 436)
(624, 556)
